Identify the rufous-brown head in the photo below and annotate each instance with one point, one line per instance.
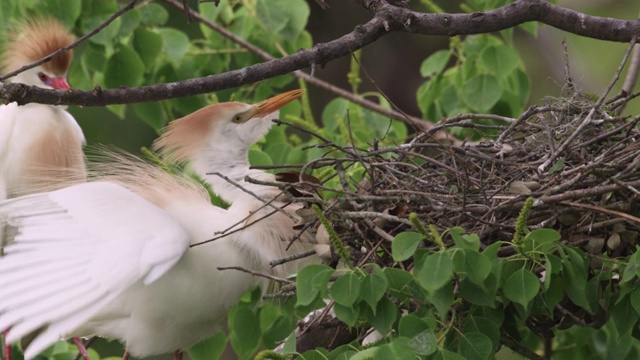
(33, 39)
(229, 126)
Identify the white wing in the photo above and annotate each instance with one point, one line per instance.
(75, 250)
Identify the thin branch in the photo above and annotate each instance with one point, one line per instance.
(620, 214)
(257, 273)
(386, 18)
(276, 262)
(302, 75)
(553, 156)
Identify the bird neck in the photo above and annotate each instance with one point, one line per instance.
(226, 170)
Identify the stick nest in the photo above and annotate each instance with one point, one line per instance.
(572, 156)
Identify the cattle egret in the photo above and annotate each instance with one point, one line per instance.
(126, 256)
(37, 138)
(215, 140)
(112, 258)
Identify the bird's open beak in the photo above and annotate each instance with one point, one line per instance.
(270, 105)
(58, 83)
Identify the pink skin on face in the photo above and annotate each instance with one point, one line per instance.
(58, 83)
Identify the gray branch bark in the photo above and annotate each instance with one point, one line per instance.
(386, 18)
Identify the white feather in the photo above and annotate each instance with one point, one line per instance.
(61, 270)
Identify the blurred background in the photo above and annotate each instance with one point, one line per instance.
(393, 62)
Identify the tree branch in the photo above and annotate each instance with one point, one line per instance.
(386, 18)
(420, 123)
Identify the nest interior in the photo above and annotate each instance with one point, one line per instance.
(573, 156)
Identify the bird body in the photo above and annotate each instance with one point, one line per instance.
(131, 256)
(215, 141)
(34, 137)
(114, 260)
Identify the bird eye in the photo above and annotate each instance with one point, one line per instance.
(237, 119)
(43, 77)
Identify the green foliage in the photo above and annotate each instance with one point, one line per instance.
(481, 74)
(336, 244)
(447, 296)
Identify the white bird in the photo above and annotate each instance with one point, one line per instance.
(36, 139)
(116, 257)
(215, 141)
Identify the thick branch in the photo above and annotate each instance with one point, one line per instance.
(386, 18)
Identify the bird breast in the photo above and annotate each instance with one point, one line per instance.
(40, 142)
(182, 307)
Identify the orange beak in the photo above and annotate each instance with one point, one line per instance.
(272, 104)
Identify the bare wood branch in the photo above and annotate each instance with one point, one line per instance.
(303, 75)
(386, 18)
(257, 273)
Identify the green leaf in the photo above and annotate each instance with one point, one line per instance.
(286, 17)
(275, 323)
(244, 334)
(210, 348)
(107, 35)
(434, 272)
(554, 292)
(475, 346)
(632, 270)
(130, 22)
(289, 346)
(68, 11)
(148, 44)
(309, 282)
(499, 60)
(624, 316)
(634, 299)
(481, 92)
(444, 354)
(153, 14)
(450, 100)
(405, 244)
(118, 110)
(521, 287)
(484, 295)
(174, 43)
(442, 299)
(269, 314)
(124, 68)
(384, 316)
(491, 251)
(372, 289)
(151, 113)
(482, 325)
(465, 241)
(348, 314)
(259, 157)
(346, 289)
(474, 265)
(553, 265)
(93, 57)
(574, 272)
(319, 354)
(398, 281)
(411, 325)
(557, 166)
(425, 343)
(540, 241)
(435, 63)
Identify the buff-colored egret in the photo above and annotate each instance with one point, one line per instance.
(35, 136)
(126, 256)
